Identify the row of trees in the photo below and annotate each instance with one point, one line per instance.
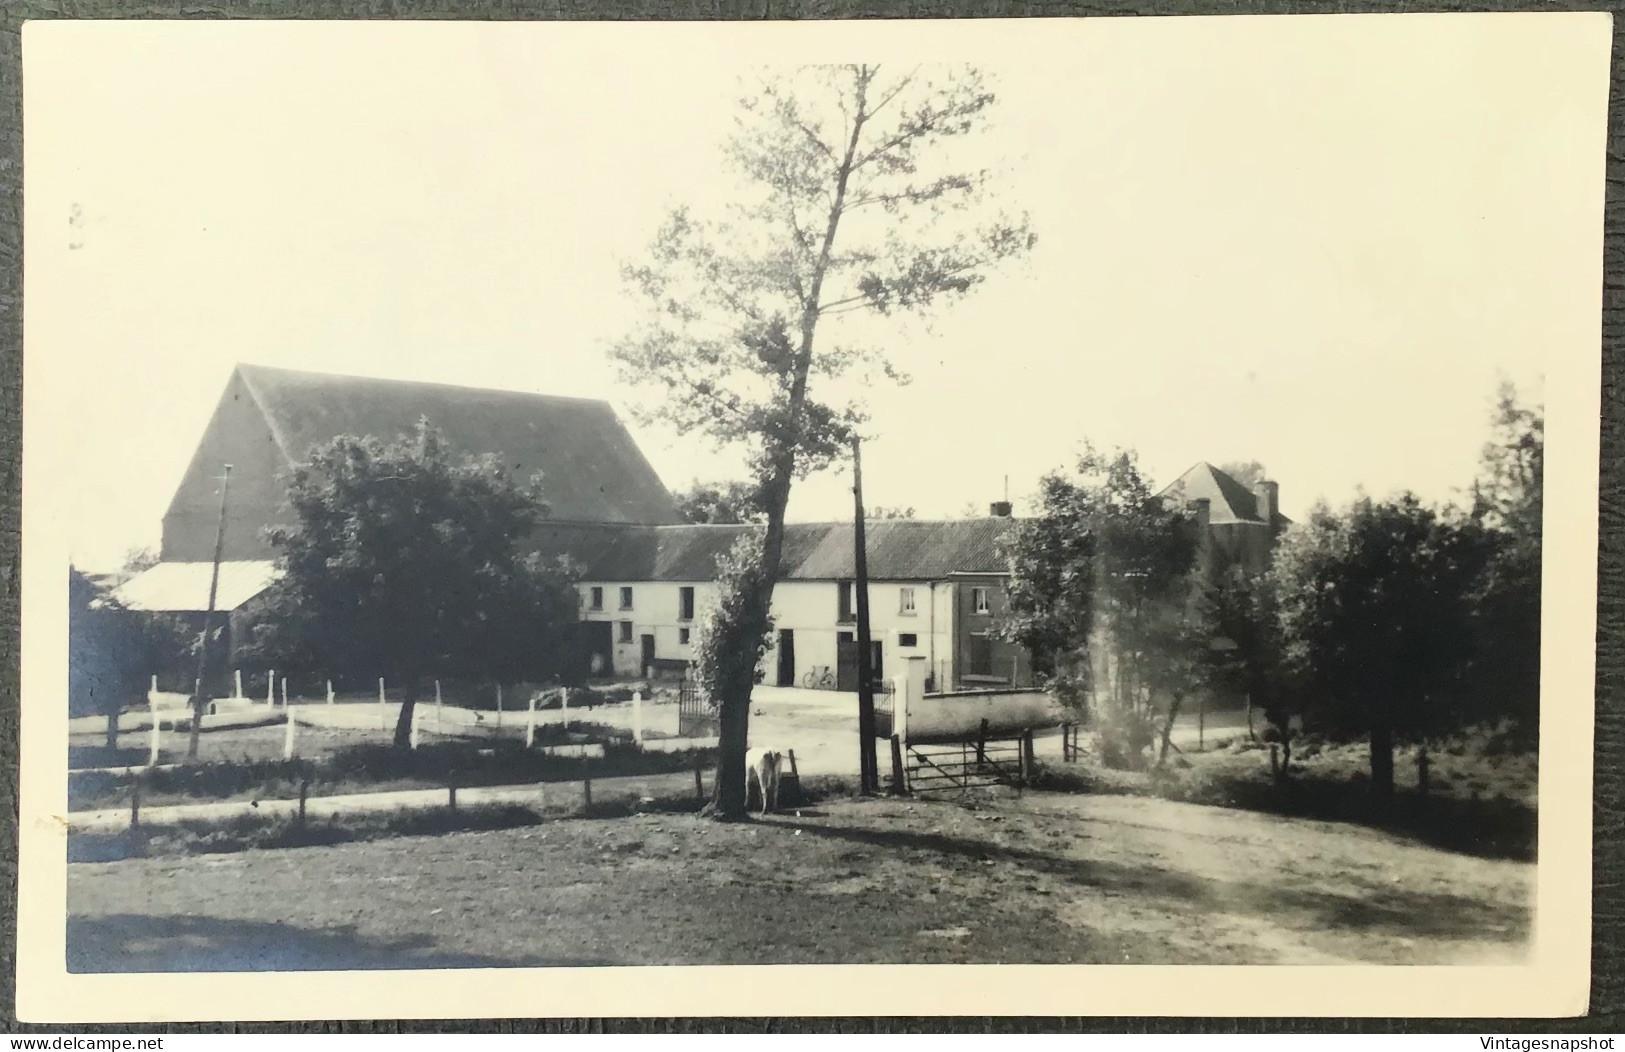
(1392, 620)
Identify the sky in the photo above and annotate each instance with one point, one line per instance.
(1315, 242)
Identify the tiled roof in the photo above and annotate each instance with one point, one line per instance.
(184, 587)
(1228, 500)
(592, 471)
(898, 550)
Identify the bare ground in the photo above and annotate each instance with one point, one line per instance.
(1044, 878)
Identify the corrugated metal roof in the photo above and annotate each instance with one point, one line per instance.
(898, 550)
(592, 470)
(184, 587)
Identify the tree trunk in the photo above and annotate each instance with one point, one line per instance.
(1382, 760)
(403, 724)
(1168, 728)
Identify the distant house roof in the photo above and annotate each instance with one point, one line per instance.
(592, 469)
(1228, 500)
(898, 550)
(184, 587)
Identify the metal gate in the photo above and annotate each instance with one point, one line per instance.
(968, 764)
(696, 713)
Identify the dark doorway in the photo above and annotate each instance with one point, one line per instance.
(648, 661)
(846, 661)
(594, 652)
(787, 657)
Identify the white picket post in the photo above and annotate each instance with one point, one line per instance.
(439, 711)
(270, 687)
(383, 718)
(153, 689)
(417, 717)
(564, 706)
(530, 723)
(287, 735)
(152, 760)
(237, 683)
(284, 691)
(330, 692)
(637, 715)
(499, 706)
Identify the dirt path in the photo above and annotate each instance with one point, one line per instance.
(1041, 879)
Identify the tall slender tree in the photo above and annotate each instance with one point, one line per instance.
(854, 197)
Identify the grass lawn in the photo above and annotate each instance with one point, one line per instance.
(1041, 878)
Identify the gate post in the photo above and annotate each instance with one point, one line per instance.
(899, 787)
(1027, 759)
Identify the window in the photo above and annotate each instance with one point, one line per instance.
(596, 602)
(905, 601)
(907, 639)
(682, 636)
(848, 600)
(978, 598)
(685, 605)
(626, 598)
(979, 661)
(626, 631)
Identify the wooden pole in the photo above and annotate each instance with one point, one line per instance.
(304, 790)
(530, 723)
(270, 687)
(157, 733)
(330, 692)
(637, 715)
(868, 768)
(135, 805)
(237, 683)
(699, 778)
(383, 716)
(208, 615)
(1201, 721)
(439, 711)
(1028, 760)
(288, 735)
(499, 706)
(898, 785)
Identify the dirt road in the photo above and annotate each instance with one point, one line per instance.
(1044, 878)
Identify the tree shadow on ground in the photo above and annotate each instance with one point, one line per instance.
(140, 943)
(1380, 910)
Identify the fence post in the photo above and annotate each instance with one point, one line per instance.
(270, 687)
(284, 691)
(439, 711)
(383, 717)
(637, 716)
(417, 717)
(898, 785)
(135, 805)
(157, 734)
(564, 707)
(288, 735)
(586, 791)
(330, 692)
(237, 683)
(304, 790)
(530, 723)
(699, 778)
(154, 688)
(1422, 765)
(499, 706)
(1028, 760)
(451, 790)
(1201, 721)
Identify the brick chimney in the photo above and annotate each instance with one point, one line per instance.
(999, 509)
(1268, 496)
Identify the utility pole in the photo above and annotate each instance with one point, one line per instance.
(199, 702)
(870, 773)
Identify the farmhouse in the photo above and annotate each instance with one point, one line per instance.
(936, 589)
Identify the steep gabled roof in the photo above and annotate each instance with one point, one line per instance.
(1228, 500)
(898, 550)
(592, 469)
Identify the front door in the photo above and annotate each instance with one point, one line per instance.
(787, 657)
(846, 662)
(648, 661)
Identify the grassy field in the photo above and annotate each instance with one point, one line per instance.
(1041, 878)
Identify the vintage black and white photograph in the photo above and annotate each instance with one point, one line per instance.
(532, 497)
